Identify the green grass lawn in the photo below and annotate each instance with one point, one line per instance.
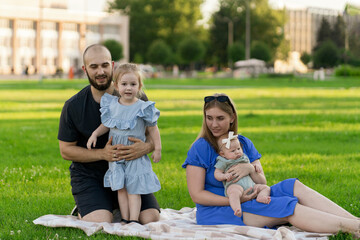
(303, 128)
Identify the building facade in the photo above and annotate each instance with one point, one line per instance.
(302, 27)
(45, 37)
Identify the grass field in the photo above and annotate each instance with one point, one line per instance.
(303, 128)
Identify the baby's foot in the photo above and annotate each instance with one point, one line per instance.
(263, 199)
(237, 212)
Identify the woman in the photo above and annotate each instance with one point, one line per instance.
(291, 201)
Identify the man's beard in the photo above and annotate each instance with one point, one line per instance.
(101, 87)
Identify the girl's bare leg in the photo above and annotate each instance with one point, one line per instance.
(134, 206)
(263, 193)
(123, 203)
(234, 192)
(310, 198)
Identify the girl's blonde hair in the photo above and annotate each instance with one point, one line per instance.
(229, 108)
(129, 68)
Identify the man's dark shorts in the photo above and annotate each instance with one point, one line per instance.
(90, 194)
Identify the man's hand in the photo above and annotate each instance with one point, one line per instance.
(110, 152)
(133, 151)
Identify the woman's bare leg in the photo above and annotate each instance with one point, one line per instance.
(234, 192)
(134, 206)
(313, 220)
(123, 203)
(310, 198)
(307, 219)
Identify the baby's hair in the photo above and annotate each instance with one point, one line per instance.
(221, 144)
(129, 68)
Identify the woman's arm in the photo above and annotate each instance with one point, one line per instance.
(195, 177)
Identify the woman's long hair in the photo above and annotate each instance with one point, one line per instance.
(228, 108)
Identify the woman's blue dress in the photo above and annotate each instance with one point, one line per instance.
(282, 204)
(136, 175)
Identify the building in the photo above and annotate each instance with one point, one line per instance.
(302, 27)
(44, 37)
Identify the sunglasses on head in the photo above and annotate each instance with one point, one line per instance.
(219, 99)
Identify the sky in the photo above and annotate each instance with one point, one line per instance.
(212, 5)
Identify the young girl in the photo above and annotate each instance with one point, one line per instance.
(129, 116)
(231, 153)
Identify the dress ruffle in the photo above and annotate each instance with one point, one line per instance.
(147, 111)
(143, 183)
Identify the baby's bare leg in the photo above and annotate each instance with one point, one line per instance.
(234, 192)
(263, 193)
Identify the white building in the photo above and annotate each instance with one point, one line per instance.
(44, 36)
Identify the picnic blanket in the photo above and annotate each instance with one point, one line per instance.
(178, 224)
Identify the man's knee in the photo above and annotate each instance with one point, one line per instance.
(98, 216)
(149, 215)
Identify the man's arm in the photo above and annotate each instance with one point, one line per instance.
(135, 150)
(70, 151)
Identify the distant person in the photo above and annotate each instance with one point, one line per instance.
(291, 201)
(230, 154)
(127, 116)
(80, 116)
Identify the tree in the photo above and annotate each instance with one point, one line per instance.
(169, 20)
(236, 52)
(260, 50)
(191, 50)
(354, 43)
(115, 48)
(305, 58)
(159, 53)
(326, 55)
(265, 25)
(324, 33)
(338, 32)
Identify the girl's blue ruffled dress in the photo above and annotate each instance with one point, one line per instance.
(124, 121)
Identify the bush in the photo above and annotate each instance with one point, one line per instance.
(236, 52)
(326, 55)
(115, 48)
(191, 50)
(347, 70)
(159, 53)
(260, 50)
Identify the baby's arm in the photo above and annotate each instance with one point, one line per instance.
(98, 132)
(221, 176)
(154, 133)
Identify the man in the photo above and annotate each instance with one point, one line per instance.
(79, 118)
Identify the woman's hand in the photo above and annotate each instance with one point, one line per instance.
(240, 170)
(246, 196)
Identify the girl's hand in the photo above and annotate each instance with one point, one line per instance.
(91, 141)
(156, 156)
(240, 170)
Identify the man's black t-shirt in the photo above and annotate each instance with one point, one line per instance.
(80, 116)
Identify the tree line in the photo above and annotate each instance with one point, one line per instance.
(168, 32)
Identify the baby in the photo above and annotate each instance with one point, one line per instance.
(231, 153)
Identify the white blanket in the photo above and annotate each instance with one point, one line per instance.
(178, 224)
